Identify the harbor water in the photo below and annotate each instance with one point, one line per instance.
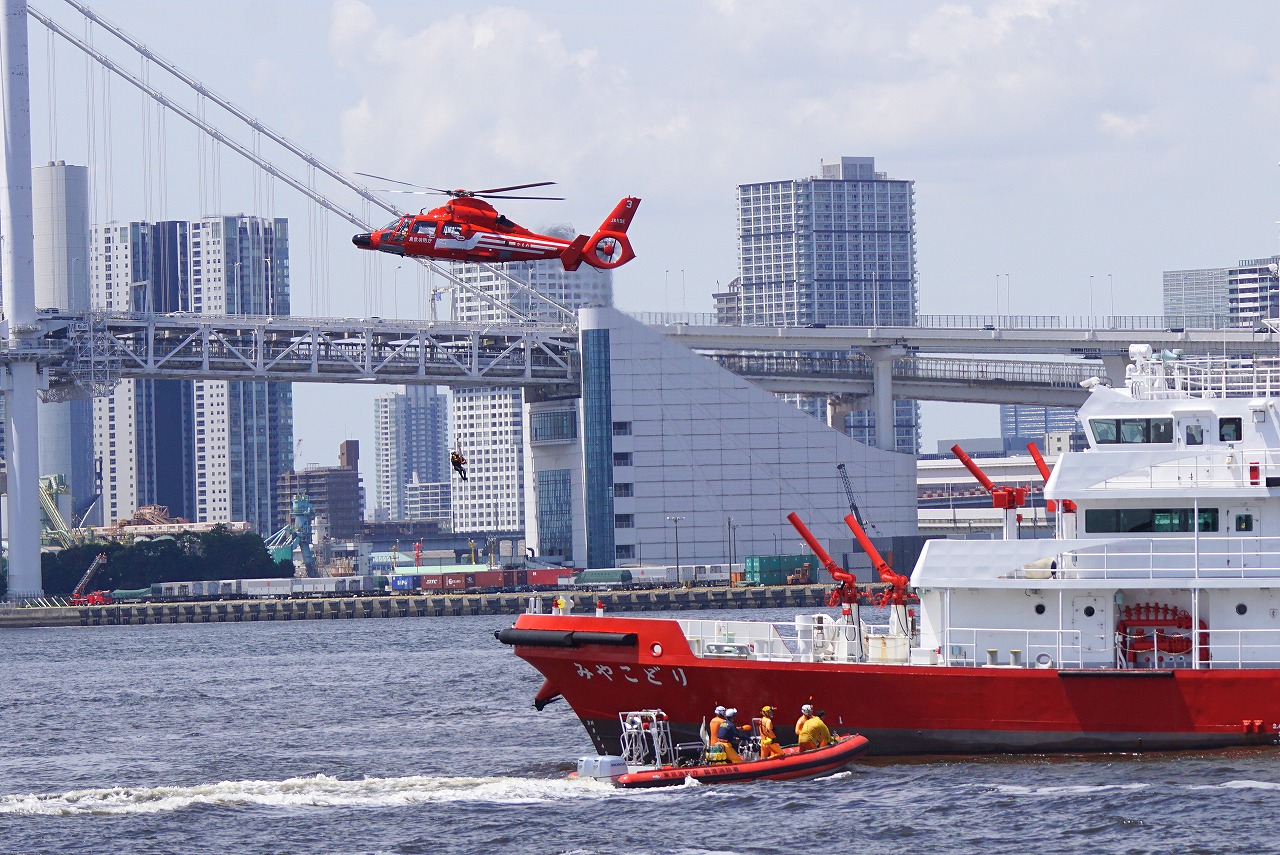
(418, 735)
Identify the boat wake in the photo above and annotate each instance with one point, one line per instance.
(316, 791)
(1066, 789)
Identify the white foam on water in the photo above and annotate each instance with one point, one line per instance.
(1066, 790)
(1238, 785)
(317, 791)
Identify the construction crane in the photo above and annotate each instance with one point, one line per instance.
(848, 491)
(296, 533)
(95, 598)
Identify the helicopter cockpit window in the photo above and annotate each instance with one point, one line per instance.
(425, 228)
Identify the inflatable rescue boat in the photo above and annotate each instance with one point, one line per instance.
(650, 759)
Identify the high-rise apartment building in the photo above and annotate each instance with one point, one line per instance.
(488, 422)
(60, 204)
(839, 249)
(211, 451)
(1244, 293)
(411, 442)
(1023, 423)
(335, 494)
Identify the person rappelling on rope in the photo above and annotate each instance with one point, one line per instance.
(458, 462)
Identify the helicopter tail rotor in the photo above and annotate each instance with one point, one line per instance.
(609, 247)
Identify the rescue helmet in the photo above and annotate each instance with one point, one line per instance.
(766, 710)
(719, 710)
(807, 709)
(730, 712)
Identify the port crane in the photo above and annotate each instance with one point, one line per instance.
(94, 598)
(848, 491)
(296, 533)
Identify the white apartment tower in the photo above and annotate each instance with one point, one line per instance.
(837, 248)
(488, 422)
(411, 444)
(211, 451)
(1241, 295)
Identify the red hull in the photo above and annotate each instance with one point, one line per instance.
(603, 665)
(794, 766)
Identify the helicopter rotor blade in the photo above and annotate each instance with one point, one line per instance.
(392, 180)
(512, 187)
(504, 196)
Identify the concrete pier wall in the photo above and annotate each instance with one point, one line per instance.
(393, 606)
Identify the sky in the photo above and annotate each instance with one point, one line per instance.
(1064, 152)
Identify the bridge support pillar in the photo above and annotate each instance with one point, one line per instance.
(882, 391)
(17, 260)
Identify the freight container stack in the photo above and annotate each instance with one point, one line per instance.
(776, 569)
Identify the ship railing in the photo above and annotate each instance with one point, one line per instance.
(1021, 648)
(741, 639)
(812, 638)
(1205, 377)
(1174, 557)
(1242, 648)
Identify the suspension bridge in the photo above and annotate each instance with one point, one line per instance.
(52, 354)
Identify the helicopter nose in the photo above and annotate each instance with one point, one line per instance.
(364, 241)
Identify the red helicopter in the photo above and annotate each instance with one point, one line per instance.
(466, 228)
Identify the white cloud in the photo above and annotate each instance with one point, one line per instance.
(1124, 128)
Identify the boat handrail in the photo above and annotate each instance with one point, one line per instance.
(1122, 557)
(1028, 648)
(1154, 377)
(965, 646)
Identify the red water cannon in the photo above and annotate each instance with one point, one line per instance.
(848, 590)
(896, 593)
(1005, 498)
(1068, 506)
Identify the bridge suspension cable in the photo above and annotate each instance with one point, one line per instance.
(568, 315)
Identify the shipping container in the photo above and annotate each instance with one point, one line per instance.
(267, 587)
(487, 580)
(775, 569)
(432, 581)
(547, 576)
(459, 581)
(654, 576)
(711, 574)
(404, 583)
(611, 577)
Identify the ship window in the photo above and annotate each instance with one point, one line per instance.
(1230, 430)
(1244, 522)
(1241, 608)
(1195, 434)
(1144, 520)
(1111, 431)
(1089, 611)
(1039, 608)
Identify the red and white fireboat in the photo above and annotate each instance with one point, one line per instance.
(650, 758)
(1151, 621)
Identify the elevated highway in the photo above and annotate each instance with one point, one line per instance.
(979, 334)
(89, 353)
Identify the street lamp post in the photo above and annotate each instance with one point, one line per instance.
(676, 522)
